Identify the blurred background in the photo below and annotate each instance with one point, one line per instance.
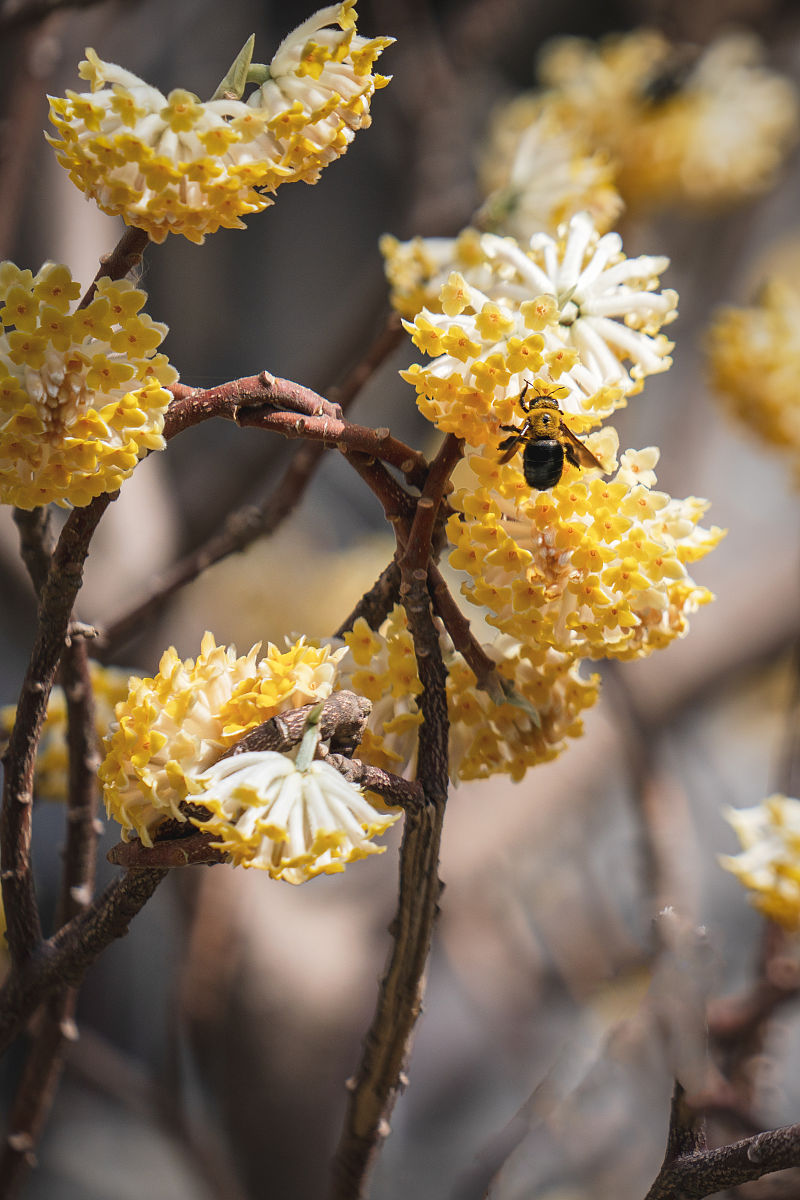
(217, 1037)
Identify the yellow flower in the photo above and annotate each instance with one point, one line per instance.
(679, 127)
(538, 173)
(171, 164)
(295, 824)
(769, 864)
(572, 309)
(546, 697)
(173, 727)
(754, 355)
(109, 685)
(82, 394)
(318, 91)
(591, 567)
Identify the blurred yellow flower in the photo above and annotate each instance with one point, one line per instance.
(704, 128)
(769, 863)
(754, 355)
(537, 173)
(82, 394)
(171, 164)
(109, 686)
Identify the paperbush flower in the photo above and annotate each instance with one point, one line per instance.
(537, 174)
(170, 729)
(486, 738)
(769, 864)
(754, 355)
(82, 393)
(571, 311)
(679, 127)
(295, 824)
(109, 686)
(591, 567)
(173, 164)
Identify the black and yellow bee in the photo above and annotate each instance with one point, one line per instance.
(547, 442)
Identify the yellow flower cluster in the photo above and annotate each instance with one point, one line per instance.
(537, 173)
(82, 394)
(769, 864)
(172, 164)
(678, 126)
(586, 568)
(109, 685)
(546, 698)
(754, 355)
(590, 567)
(571, 310)
(173, 727)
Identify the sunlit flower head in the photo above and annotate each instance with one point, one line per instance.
(754, 355)
(538, 173)
(173, 727)
(295, 824)
(319, 89)
(546, 698)
(680, 126)
(769, 863)
(572, 311)
(175, 164)
(82, 393)
(591, 567)
(109, 686)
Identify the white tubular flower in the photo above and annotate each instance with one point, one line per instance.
(542, 175)
(319, 89)
(569, 312)
(294, 824)
(608, 309)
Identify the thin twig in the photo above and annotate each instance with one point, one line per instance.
(65, 957)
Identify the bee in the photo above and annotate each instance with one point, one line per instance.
(547, 442)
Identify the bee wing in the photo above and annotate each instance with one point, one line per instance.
(580, 454)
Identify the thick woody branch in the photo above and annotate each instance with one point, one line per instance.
(124, 258)
(342, 723)
(57, 598)
(706, 1172)
(379, 1076)
(252, 402)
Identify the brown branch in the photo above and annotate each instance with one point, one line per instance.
(342, 722)
(58, 596)
(461, 635)
(379, 1076)
(65, 957)
(36, 542)
(244, 526)
(310, 416)
(418, 549)
(119, 262)
(705, 1172)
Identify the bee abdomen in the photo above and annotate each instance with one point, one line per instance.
(543, 463)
